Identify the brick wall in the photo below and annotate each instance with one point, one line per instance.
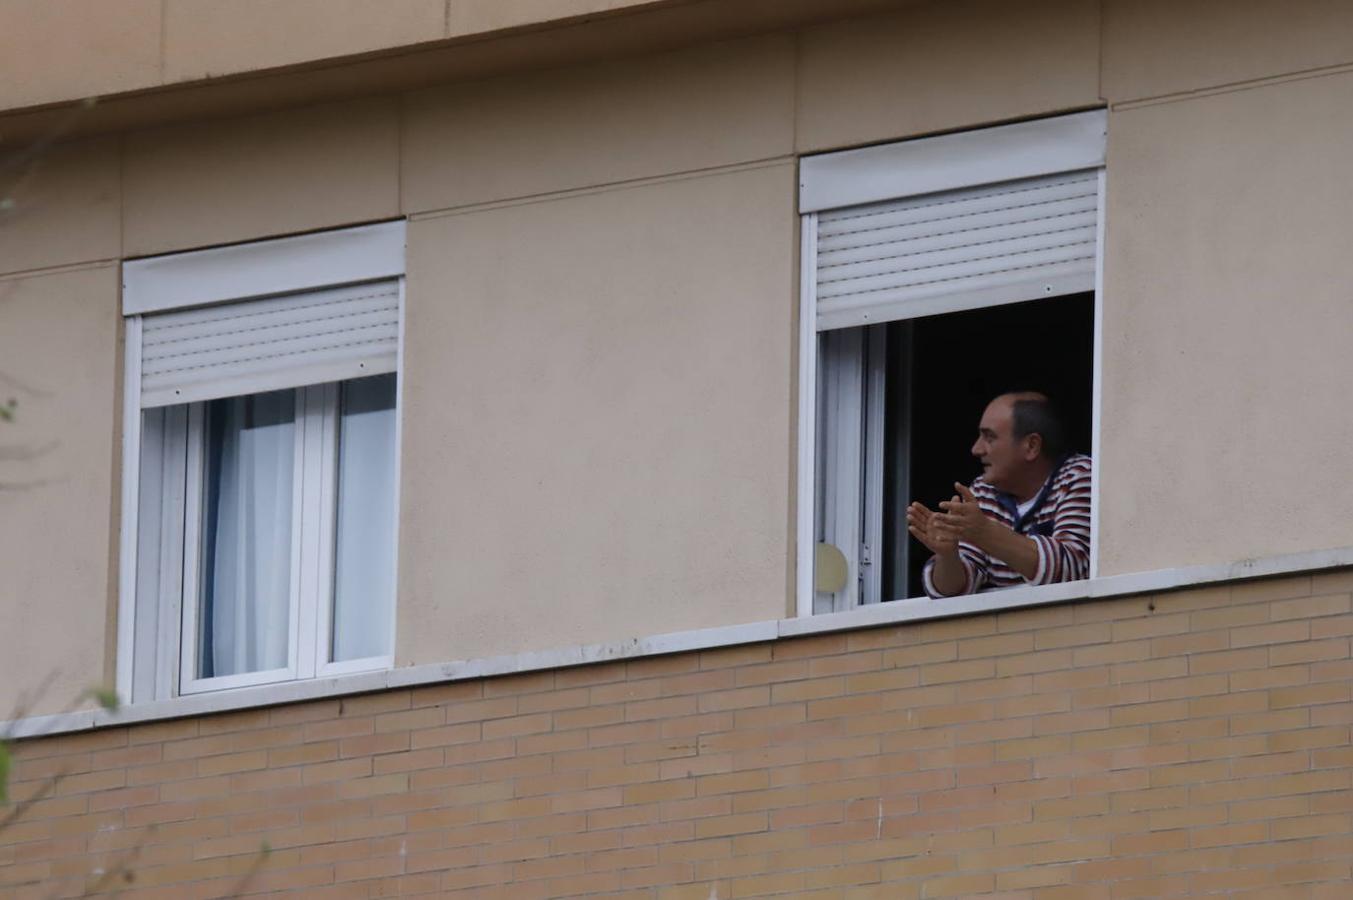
(1185, 744)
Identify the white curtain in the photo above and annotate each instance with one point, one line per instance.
(247, 533)
(364, 568)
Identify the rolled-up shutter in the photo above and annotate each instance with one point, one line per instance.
(249, 346)
(1015, 240)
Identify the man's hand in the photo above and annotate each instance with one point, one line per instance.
(939, 538)
(948, 575)
(963, 516)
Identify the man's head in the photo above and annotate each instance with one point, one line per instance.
(1019, 440)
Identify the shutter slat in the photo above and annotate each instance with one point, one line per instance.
(954, 205)
(1060, 230)
(963, 228)
(956, 264)
(1023, 239)
(276, 312)
(982, 273)
(270, 344)
(991, 289)
(168, 355)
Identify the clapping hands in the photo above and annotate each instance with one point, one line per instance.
(959, 519)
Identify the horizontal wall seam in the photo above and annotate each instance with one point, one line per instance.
(44, 271)
(769, 162)
(896, 613)
(1231, 87)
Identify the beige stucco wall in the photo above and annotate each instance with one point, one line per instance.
(62, 207)
(1227, 323)
(61, 50)
(678, 349)
(207, 37)
(54, 50)
(1159, 47)
(714, 105)
(598, 430)
(596, 416)
(941, 66)
(258, 176)
(477, 16)
(58, 360)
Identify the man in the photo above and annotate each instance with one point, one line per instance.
(1025, 520)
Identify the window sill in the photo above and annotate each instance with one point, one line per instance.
(897, 612)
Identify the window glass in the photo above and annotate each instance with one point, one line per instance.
(364, 568)
(247, 534)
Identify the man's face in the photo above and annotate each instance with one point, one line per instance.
(1003, 458)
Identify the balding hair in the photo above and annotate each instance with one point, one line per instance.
(1033, 412)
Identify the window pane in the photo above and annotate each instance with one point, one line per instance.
(246, 534)
(364, 569)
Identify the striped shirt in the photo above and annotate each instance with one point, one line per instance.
(1059, 524)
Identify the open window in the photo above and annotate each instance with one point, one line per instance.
(260, 486)
(937, 274)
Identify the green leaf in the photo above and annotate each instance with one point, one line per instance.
(4, 771)
(105, 697)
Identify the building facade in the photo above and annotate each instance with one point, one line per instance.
(478, 448)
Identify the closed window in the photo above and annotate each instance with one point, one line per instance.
(260, 544)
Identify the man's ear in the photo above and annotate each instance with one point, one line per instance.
(1033, 446)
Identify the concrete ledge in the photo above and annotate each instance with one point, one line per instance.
(898, 612)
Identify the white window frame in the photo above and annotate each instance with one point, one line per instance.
(884, 172)
(221, 275)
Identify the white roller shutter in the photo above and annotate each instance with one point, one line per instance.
(1015, 240)
(249, 346)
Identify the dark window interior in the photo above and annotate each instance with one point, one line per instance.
(957, 363)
